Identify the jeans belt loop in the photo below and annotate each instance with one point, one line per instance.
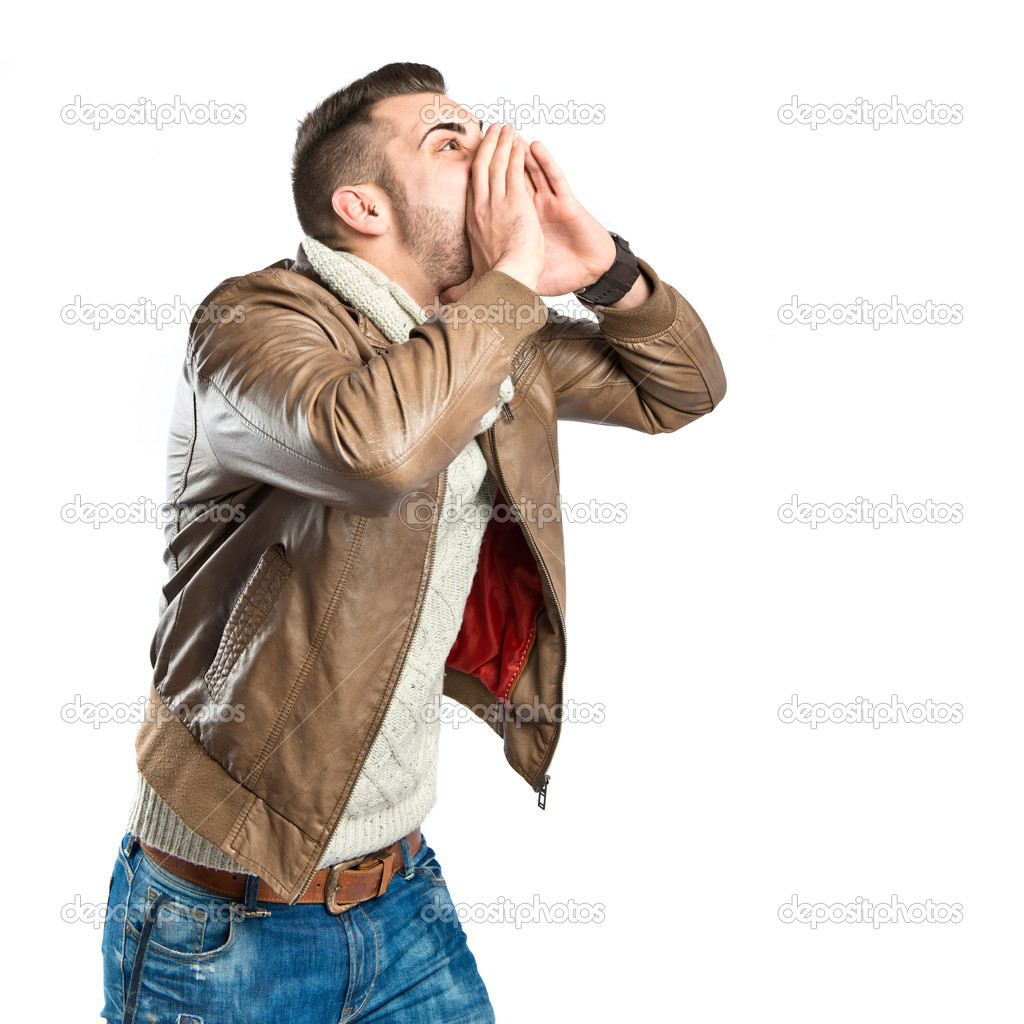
(387, 872)
(252, 888)
(406, 858)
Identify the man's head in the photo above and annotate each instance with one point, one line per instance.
(381, 168)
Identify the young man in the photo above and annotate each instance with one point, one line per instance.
(367, 515)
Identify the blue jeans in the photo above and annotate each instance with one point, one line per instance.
(210, 959)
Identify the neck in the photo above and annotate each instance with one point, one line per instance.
(398, 266)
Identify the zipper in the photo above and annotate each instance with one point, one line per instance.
(542, 793)
(405, 653)
(540, 784)
(524, 364)
(517, 373)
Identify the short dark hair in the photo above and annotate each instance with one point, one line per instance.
(340, 142)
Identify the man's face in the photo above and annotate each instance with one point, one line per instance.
(431, 157)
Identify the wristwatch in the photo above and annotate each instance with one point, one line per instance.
(617, 281)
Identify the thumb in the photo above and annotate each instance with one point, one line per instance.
(456, 292)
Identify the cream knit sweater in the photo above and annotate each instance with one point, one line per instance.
(396, 786)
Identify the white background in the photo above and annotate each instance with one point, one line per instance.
(692, 813)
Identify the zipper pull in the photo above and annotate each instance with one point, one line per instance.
(508, 411)
(542, 793)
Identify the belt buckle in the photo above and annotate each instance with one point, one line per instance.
(331, 891)
(387, 868)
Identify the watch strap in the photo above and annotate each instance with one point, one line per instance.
(617, 281)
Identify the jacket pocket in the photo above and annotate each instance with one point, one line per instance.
(254, 603)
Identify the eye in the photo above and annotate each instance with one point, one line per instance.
(452, 141)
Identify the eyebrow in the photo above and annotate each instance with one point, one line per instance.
(450, 126)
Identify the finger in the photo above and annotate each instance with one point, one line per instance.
(536, 175)
(482, 162)
(553, 173)
(499, 161)
(531, 190)
(515, 179)
(527, 181)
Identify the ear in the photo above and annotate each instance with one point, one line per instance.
(360, 208)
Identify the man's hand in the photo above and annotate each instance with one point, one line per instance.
(503, 227)
(577, 249)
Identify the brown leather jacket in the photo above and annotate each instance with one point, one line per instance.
(306, 456)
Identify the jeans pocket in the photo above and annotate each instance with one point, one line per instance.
(186, 922)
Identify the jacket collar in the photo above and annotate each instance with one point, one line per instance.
(301, 265)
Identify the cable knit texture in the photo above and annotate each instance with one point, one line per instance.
(396, 786)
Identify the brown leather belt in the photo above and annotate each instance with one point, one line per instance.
(339, 887)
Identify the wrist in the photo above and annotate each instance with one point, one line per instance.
(521, 272)
(617, 281)
(636, 296)
(606, 265)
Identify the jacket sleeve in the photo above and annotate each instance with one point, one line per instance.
(650, 368)
(284, 398)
